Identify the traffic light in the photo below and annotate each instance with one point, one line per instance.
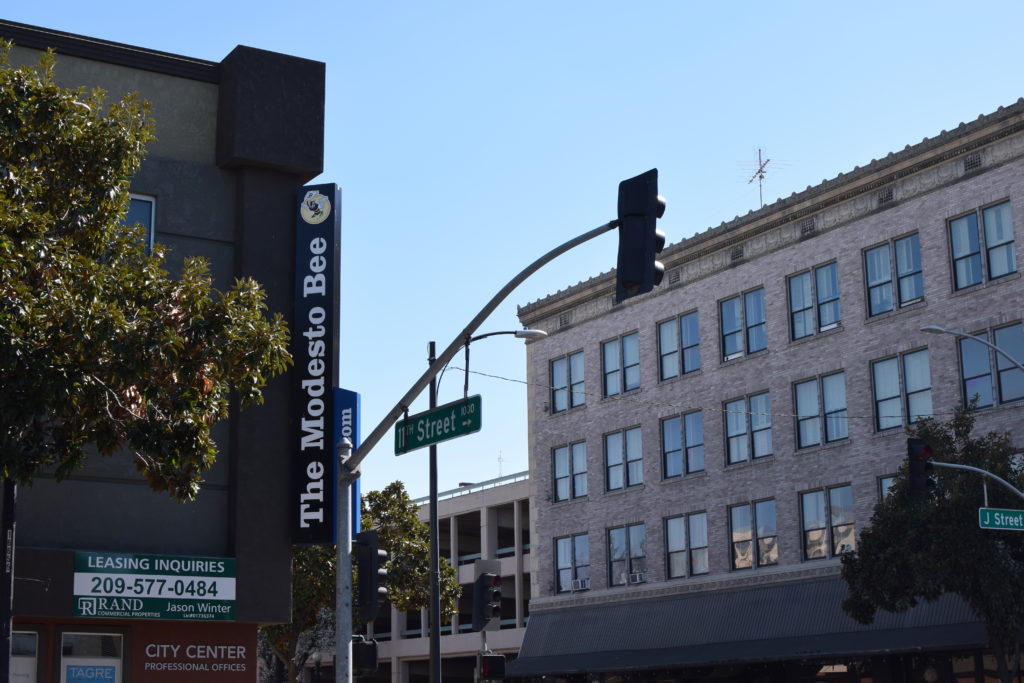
(492, 667)
(640, 207)
(372, 574)
(364, 655)
(919, 468)
(486, 599)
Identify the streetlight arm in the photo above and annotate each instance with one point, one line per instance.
(982, 472)
(378, 432)
(981, 340)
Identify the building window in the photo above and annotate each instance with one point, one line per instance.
(814, 301)
(993, 238)
(901, 257)
(901, 383)
(682, 444)
(742, 321)
(624, 459)
(142, 211)
(567, 390)
(572, 557)
(627, 555)
(828, 522)
(754, 538)
(748, 428)
(100, 654)
(977, 361)
(621, 364)
(570, 471)
(686, 545)
(817, 398)
(885, 486)
(679, 346)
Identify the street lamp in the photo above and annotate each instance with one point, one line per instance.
(435, 560)
(935, 329)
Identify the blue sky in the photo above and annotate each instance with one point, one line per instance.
(469, 138)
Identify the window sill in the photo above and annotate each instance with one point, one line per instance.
(566, 411)
(1009, 277)
(749, 463)
(624, 490)
(912, 306)
(568, 501)
(831, 445)
(738, 359)
(689, 476)
(817, 335)
(692, 373)
(620, 396)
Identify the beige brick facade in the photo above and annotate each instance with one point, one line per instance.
(915, 191)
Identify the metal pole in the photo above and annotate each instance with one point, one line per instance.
(403, 403)
(435, 569)
(982, 472)
(7, 582)
(981, 340)
(343, 566)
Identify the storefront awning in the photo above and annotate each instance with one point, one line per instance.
(773, 622)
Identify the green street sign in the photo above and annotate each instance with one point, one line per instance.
(449, 421)
(994, 518)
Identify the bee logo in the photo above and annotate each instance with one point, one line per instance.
(315, 208)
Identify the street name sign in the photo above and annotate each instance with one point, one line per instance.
(449, 421)
(994, 518)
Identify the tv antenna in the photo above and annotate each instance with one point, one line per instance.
(762, 168)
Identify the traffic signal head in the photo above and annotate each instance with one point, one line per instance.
(364, 655)
(486, 599)
(640, 206)
(919, 469)
(492, 667)
(372, 574)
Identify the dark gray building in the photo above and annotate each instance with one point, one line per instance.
(236, 139)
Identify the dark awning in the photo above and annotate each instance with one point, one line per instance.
(793, 620)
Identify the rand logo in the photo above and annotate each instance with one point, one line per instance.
(87, 607)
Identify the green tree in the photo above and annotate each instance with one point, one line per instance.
(406, 539)
(98, 345)
(313, 587)
(918, 550)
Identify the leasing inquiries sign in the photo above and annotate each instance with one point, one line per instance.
(314, 348)
(126, 586)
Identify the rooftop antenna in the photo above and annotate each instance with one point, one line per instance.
(500, 460)
(762, 167)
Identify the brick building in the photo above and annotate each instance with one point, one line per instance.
(701, 455)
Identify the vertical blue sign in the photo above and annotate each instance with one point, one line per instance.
(346, 424)
(315, 351)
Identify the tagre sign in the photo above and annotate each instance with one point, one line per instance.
(126, 586)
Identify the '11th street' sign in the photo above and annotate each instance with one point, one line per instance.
(994, 518)
(449, 421)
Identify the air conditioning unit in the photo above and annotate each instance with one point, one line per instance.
(580, 584)
(637, 577)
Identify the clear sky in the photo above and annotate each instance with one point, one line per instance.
(469, 138)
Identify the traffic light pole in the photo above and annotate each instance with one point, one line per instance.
(403, 404)
(986, 473)
(347, 474)
(435, 561)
